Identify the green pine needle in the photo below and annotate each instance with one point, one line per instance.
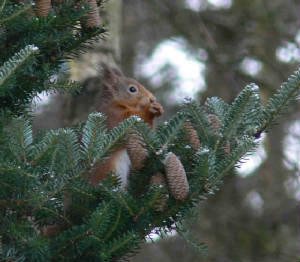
(8, 69)
(278, 103)
(199, 118)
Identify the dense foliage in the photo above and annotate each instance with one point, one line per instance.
(103, 222)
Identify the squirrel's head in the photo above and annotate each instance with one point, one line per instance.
(127, 92)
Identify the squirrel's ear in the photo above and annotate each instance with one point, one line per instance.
(118, 72)
(108, 75)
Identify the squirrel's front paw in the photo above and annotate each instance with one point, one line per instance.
(156, 109)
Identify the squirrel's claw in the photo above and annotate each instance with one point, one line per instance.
(156, 109)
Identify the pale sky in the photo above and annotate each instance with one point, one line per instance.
(189, 69)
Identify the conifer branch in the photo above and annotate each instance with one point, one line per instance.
(21, 139)
(200, 119)
(148, 136)
(246, 145)
(238, 110)
(216, 106)
(168, 132)
(122, 199)
(2, 5)
(100, 217)
(116, 222)
(93, 133)
(69, 149)
(62, 86)
(8, 69)
(279, 102)
(115, 136)
(204, 166)
(22, 10)
(155, 197)
(41, 149)
(56, 214)
(118, 244)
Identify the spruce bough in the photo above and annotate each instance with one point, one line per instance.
(104, 223)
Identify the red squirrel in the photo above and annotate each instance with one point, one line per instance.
(121, 98)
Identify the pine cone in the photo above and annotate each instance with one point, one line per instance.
(93, 17)
(227, 148)
(50, 231)
(191, 135)
(176, 177)
(43, 7)
(136, 151)
(214, 121)
(159, 180)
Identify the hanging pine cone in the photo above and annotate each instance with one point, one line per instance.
(93, 17)
(214, 121)
(227, 148)
(50, 231)
(159, 180)
(136, 151)
(43, 7)
(176, 177)
(191, 135)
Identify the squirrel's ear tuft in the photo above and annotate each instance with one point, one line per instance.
(108, 74)
(117, 71)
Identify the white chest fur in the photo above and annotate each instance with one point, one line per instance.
(122, 167)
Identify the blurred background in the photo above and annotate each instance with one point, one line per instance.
(199, 49)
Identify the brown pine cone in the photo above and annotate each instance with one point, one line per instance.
(43, 7)
(214, 121)
(159, 180)
(176, 177)
(50, 231)
(136, 151)
(227, 148)
(191, 135)
(93, 17)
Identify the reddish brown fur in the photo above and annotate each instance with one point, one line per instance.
(101, 170)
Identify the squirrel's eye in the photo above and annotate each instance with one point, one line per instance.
(132, 89)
